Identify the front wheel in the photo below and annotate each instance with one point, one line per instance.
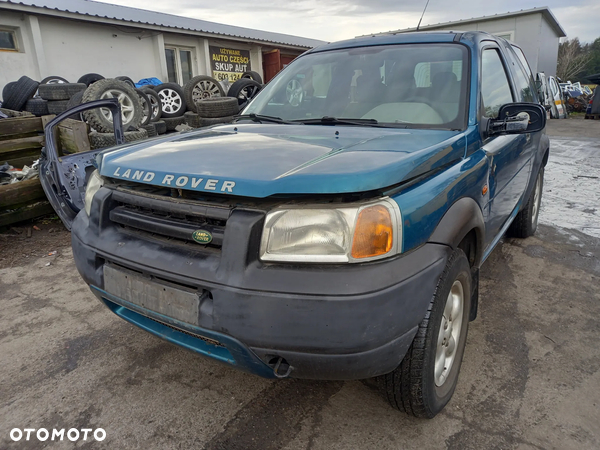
(425, 380)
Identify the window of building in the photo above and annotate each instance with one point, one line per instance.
(495, 88)
(180, 68)
(8, 41)
(508, 35)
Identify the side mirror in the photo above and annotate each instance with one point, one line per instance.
(518, 118)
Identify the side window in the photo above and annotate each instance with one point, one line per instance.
(523, 79)
(495, 88)
(523, 60)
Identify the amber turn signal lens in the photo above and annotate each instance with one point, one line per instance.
(373, 234)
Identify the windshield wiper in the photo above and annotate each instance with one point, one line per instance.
(326, 120)
(260, 118)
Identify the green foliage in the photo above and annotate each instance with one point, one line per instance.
(593, 66)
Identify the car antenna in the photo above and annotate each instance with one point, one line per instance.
(426, 4)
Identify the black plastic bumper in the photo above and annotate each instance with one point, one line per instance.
(349, 321)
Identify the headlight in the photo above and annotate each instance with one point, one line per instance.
(336, 233)
(94, 184)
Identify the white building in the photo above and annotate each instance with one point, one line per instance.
(70, 38)
(535, 30)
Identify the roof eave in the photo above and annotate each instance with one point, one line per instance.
(98, 19)
(545, 11)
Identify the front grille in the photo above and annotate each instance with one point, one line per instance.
(172, 219)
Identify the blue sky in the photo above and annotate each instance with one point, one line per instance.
(332, 20)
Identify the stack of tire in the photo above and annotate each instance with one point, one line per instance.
(56, 94)
(133, 115)
(202, 101)
(20, 96)
(212, 111)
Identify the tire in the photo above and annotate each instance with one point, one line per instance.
(103, 140)
(37, 106)
(413, 387)
(127, 80)
(145, 101)
(155, 102)
(150, 129)
(526, 221)
(172, 122)
(251, 74)
(73, 102)
(172, 100)
(60, 91)
(201, 87)
(101, 118)
(19, 93)
(161, 127)
(193, 119)
(217, 107)
(206, 122)
(90, 78)
(7, 88)
(53, 80)
(57, 106)
(244, 90)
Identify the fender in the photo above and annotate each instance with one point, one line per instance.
(463, 216)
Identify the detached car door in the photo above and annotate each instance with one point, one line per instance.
(509, 155)
(64, 177)
(557, 99)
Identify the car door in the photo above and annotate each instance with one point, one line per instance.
(557, 99)
(508, 155)
(64, 177)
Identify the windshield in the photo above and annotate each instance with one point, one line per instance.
(416, 85)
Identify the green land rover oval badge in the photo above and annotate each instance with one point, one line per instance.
(202, 237)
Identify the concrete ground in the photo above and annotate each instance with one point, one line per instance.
(530, 377)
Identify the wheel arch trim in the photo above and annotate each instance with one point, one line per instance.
(459, 220)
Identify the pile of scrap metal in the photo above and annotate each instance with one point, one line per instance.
(9, 175)
(577, 95)
(593, 108)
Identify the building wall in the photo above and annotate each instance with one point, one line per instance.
(71, 48)
(24, 62)
(530, 32)
(548, 57)
(75, 48)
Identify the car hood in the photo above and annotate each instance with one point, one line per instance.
(257, 160)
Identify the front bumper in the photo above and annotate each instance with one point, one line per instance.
(328, 322)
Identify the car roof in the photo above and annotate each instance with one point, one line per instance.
(407, 38)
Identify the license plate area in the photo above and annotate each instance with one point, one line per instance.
(158, 296)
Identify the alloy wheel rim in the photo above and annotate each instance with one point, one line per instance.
(170, 100)
(294, 92)
(126, 103)
(205, 89)
(154, 105)
(449, 334)
(145, 109)
(247, 94)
